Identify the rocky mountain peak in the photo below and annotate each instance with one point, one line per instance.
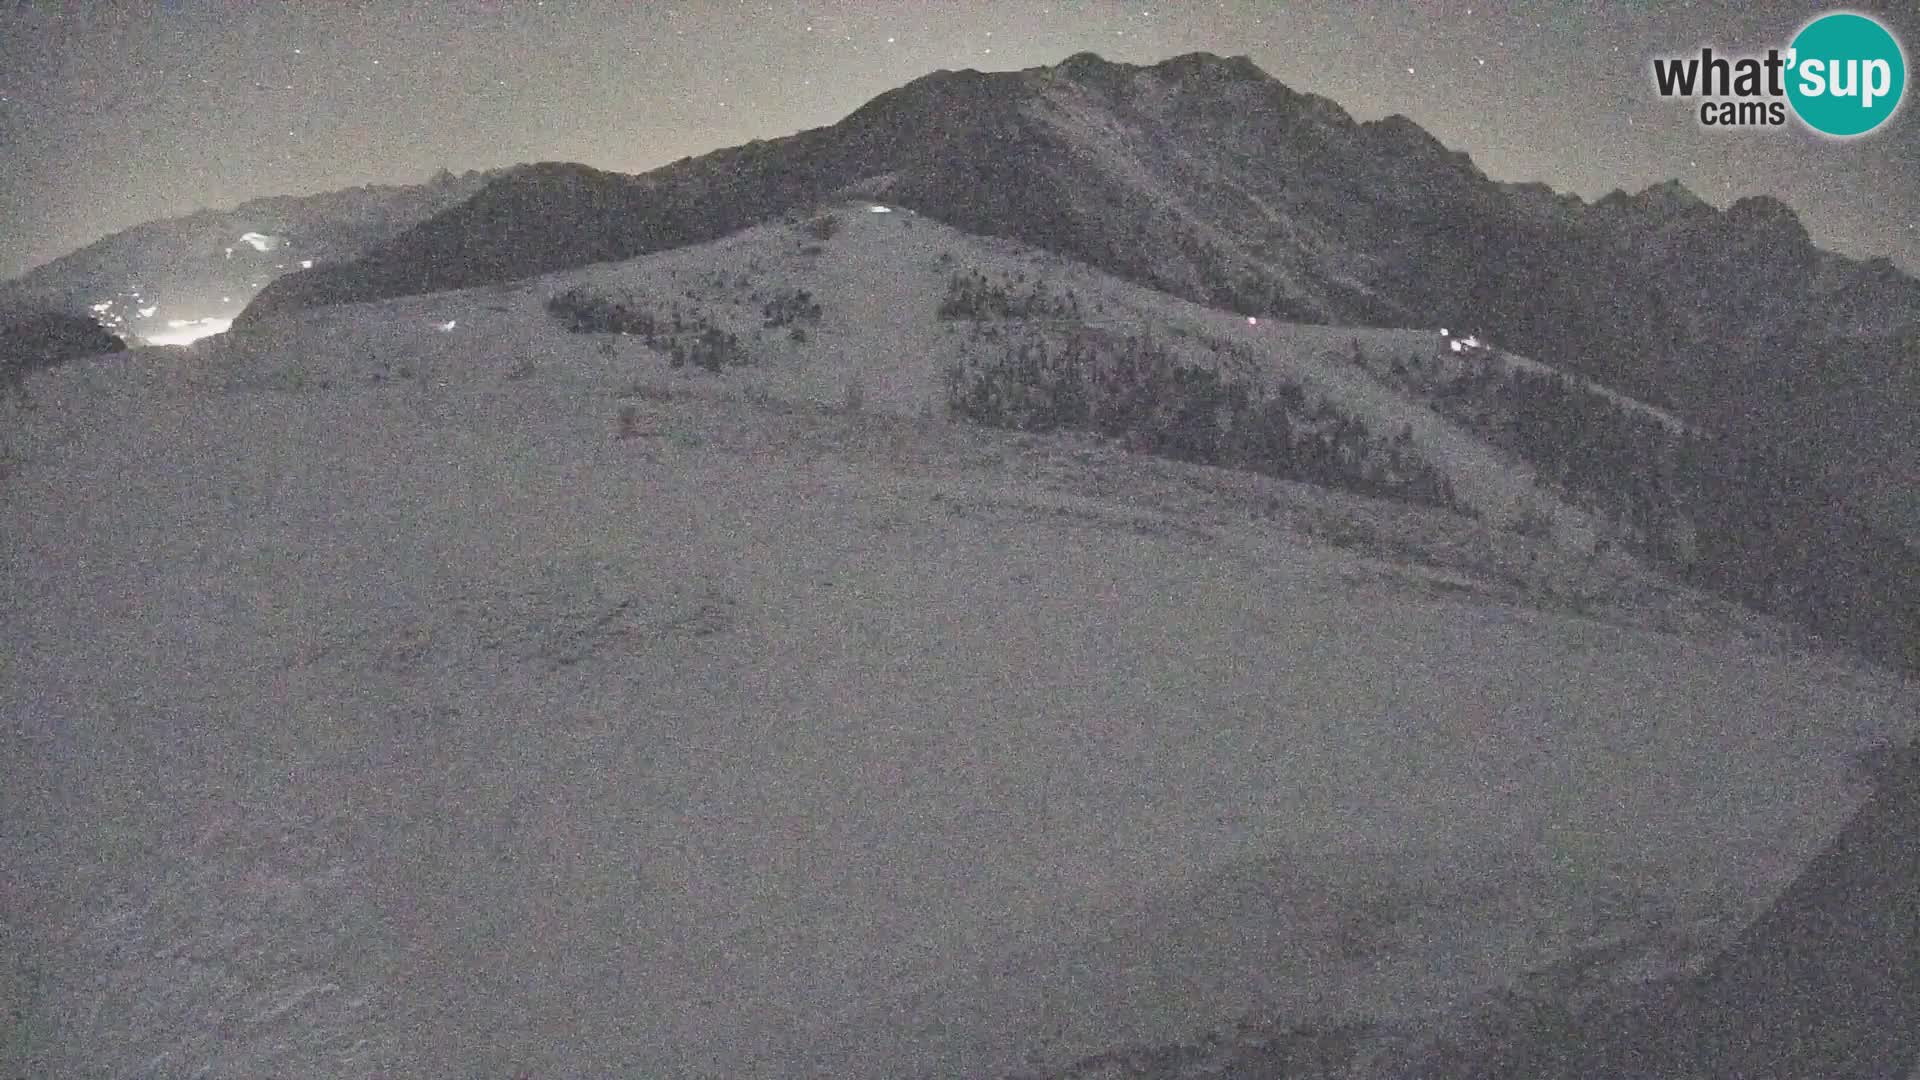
(1669, 196)
(1767, 214)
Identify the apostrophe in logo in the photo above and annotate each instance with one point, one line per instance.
(1848, 74)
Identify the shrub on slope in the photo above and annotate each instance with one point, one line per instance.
(682, 338)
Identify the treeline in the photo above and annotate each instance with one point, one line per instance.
(973, 295)
(1138, 389)
(1611, 460)
(683, 339)
(1739, 520)
(1772, 535)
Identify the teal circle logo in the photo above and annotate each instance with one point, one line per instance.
(1846, 74)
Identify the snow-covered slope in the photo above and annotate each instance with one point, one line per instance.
(417, 688)
(881, 281)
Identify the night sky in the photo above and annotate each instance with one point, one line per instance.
(115, 114)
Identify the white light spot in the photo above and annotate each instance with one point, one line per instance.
(448, 325)
(1443, 332)
(306, 264)
(103, 305)
(1455, 345)
(879, 209)
(1253, 321)
(147, 312)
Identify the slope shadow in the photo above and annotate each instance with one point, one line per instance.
(1825, 984)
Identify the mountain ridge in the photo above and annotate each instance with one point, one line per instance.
(1204, 177)
(895, 133)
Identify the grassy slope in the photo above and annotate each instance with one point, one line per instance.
(422, 724)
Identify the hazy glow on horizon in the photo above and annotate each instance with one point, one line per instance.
(188, 331)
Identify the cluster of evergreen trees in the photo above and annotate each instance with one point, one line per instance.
(790, 306)
(972, 295)
(1614, 461)
(1742, 521)
(1136, 388)
(684, 339)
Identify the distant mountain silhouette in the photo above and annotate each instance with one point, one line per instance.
(42, 339)
(201, 264)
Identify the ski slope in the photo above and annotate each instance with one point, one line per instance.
(421, 725)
